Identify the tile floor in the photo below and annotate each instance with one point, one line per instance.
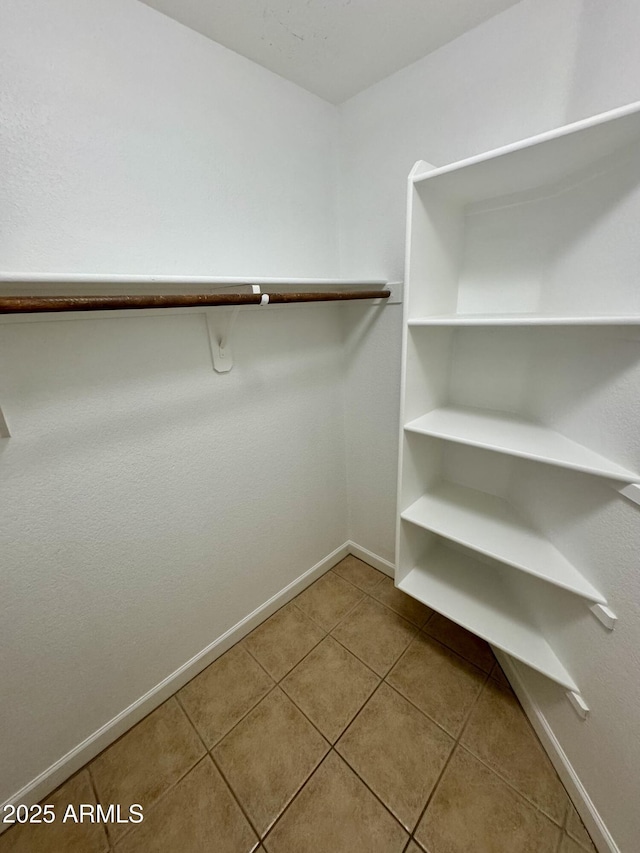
(354, 720)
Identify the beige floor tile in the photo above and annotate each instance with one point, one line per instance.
(439, 682)
(474, 810)
(224, 692)
(570, 846)
(59, 837)
(336, 813)
(328, 600)
(330, 685)
(463, 642)
(375, 634)
(268, 756)
(362, 575)
(283, 640)
(403, 604)
(577, 831)
(397, 751)
(500, 735)
(148, 759)
(198, 815)
(413, 848)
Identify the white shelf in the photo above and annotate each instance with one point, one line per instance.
(535, 161)
(523, 320)
(509, 434)
(473, 596)
(489, 525)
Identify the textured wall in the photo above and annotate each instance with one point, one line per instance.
(132, 144)
(148, 502)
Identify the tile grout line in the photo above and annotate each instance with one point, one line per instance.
(261, 836)
(276, 681)
(235, 797)
(454, 651)
(295, 797)
(353, 583)
(496, 772)
(130, 830)
(208, 754)
(417, 708)
(401, 615)
(238, 721)
(422, 711)
(342, 618)
(355, 773)
(511, 786)
(377, 674)
(474, 704)
(326, 737)
(414, 628)
(369, 788)
(92, 782)
(248, 651)
(456, 744)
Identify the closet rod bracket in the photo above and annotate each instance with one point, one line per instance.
(221, 354)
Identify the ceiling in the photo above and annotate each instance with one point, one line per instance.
(334, 48)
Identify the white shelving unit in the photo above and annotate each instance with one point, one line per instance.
(523, 320)
(469, 593)
(507, 433)
(522, 307)
(489, 525)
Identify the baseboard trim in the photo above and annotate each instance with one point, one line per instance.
(371, 558)
(596, 827)
(76, 758)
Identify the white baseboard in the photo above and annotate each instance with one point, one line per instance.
(371, 558)
(596, 827)
(76, 758)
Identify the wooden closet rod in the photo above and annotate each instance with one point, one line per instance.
(38, 304)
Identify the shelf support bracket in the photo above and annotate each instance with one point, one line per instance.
(579, 705)
(605, 615)
(632, 492)
(5, 432)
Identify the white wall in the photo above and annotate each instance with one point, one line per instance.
(133, 144)
(149, 503)
(535, 66)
